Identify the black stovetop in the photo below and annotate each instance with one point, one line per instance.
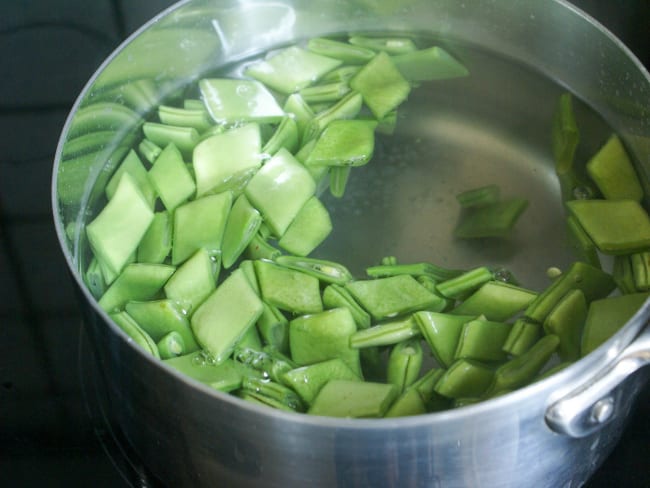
(51, 433)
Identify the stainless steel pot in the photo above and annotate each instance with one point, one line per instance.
(492, 126)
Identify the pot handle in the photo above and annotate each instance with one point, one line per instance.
(590, 406)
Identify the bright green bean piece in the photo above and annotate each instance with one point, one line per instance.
(325, 271)
(354, 399)
(393, 296)
(344, 143)
(116, 232)
(330, 92)
(138, 281)
(125, 322)
(271, 365)
(386, 334)
(273, 327)
(289, 290)
(593, 282)
(640, 262)
(425, 386)
(404, 364)
(259, 399)
(286, 135)
(184, 117)
(479, 197)
(236, 101)
(496, 300)
(171, 346)
(251, 339)
(296, 107)
(184, 138)
(606, 316)
(260, 248)
(382, 86)
(343, 73)
(171, 178)
(131, 164)
(273, 390)
(493, 220)
(408, 403)
(348, 53)
(442, 333)
(613, 172)
(339, 176)
(335, 296)
(483, 340)
(615, 226)
(465, 378)
(523, 335)
(581, 243)
(156, 243)
(346, 108)
(242, 225)
(149, 150)
(160, 317)
(308, 380)
(433, 63)
(623, 274)
(200, 223)
(466, 283)
(390, 45)
(225, 316)
(279, 190)
(308, 230)
(193, 281)
(566, 321)
(291, 69)
(417, 269)
(322, 336)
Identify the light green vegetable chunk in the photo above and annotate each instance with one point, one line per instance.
(273, 328)
(465, 378)
(345, 398)
(171, 178)
(409, 403)
(242, 225)
(566, 321)
(225, 316)
(404, 364)
(291, 69)
(386, 333)
(157, 241)
(288, 289)
(227, 160)
(308, 230)
(613, 173)
(125, 322)
(184, 138)
(442, 333)
(606, 316)
(496, 300)
(307, 381)
(382, 86)
(138, 281)
(171, 345)
(493, 220)
(116, 232)
(344, 143)
(279, 190)
(197, 118)
(300, 111)
(131, 164)
(200, 223)
(523, 335)
(321, 336)
(235, 101)
(483, 340)
(192, 281)
(615, 226)
(286, 135)
(395, 295)
(335, 296)
(433, 63)
(348, 53)
(325, 271)
(390, 45)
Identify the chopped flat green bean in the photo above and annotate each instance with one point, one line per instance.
(492, 220)
(138, 281)
(404, 364)
(386, 334)
(433, 63)
(465, 378)
(496, 300)
(156, 243)
(171, 345)
(289, 290)
(310, 227)
(273, 390)
(408, 403)
(566, 321)
(242, 225)
(468, 282)
(171, 178)
(184, 138)
(612, 171)
(345, 398)
(307, 381)
(235, 101)
(335, 296)
(482, 340)
(390, 45)
(325, 271)
(348, 53)
(273, 327)
(522, 336)
(479, 197)
(125, 322)
(193, 281)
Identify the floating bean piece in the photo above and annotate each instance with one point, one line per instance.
(345, 398)
(125, 322)
(386, 334)
(493, 220)
(273, 327)
(343, 73)
(408, 403)
(613, 172)
(496, 300)
(260, 248)
(479, 197)
(308, 230)
(196, 118)
(330, 92)
(465, 283)
(416, 269)
(346, 108)
(344, 143)
(156, 243)
(442, 333)
(325, 271)
(193, 281)
(286, 135)
(433, 63)
(640, 262)
(183, 138)
(94, 278)
(289, 290)
(138, 281)
(522, 336)
(171, 345)
(275, 391)
(339, 176)
(131, 164)
(483, 340)
(390, 45)
(566, 321)
(623, 274)
(307, 381)
(171, 178)
(348, 53)
(566, 137)
(241, 227)
(581, 243)
(149, 150)
(465, 378)
(251, 339)
(404, 364)
(335, 296)
(271, 365)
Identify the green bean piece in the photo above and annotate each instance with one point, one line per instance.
(353, 399)
(442, 333)
(110, 276)
(612, 171)
(623, 274)
(581, 243)
(185, 117)
(606, 316)
(433, 63)
(346, 108)
(94, 278)
(417, 269)
(425, 387)
(344, 143)
(273, 328)
(466, 283)
(226, 376)
(193, 281)
(321, 336)
(184, 138)
(242, 225)
(286, 135)
(248, 267)
(640, 262)
(483, 340)
(404, 364)
(308, 229)
(131, 164)
(615, 226)
(251, 339)
(225, 316)
(493, 220)
(200, 223)
(307, 381)
(381, 85)
(465, 378)
(593, 282)
(566, 321)
(408, 403)
(386, 334)
(566, 136)
(227, 160)
(296, 107)
(273, 366)
(149, 150)
(289, 290)
(522, 370)
(496, 300)
(479, 197)
(133, 330)
(259, 399)
(160, 317)
(171, 178)
(330, 92)
(138, 281)
(348, 53)
(156, 243)
(279, 190)
(325, 271)
(390, 45)
(393, 296)
(236, 101)
(335, 296)
(115, 233)
(522, 336)
(171, 346)
(343, 73)
(277, 392)
(260, 248)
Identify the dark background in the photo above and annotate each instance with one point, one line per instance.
(49, 436)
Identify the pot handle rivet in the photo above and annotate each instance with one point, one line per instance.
(603, 410)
